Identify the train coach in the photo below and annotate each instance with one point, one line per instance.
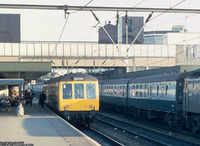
(175, 98)
(75, 96)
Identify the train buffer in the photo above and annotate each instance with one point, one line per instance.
(39, 127)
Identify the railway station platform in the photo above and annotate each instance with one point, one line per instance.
(39, 127)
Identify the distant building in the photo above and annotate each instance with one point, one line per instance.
(120, 32)
(134, 26)
(154, 39)
(112, 31)
(10, 28)
(178, 28)
(175, 36)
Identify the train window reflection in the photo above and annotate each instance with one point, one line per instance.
(90, 91)
(79, 91)
(67, 91)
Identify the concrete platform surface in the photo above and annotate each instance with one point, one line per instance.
(40, 127)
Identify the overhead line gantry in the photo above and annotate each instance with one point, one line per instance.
(97, 8)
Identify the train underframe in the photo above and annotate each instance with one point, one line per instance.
(79, 117)
(180, 120)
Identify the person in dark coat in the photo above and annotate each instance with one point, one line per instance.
(30, 96)
(42, 99)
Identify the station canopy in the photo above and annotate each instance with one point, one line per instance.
(24, 70)
(11, 81)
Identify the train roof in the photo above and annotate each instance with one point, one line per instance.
(194, 74)
(73, 77)
(118, 81)
(159, 78)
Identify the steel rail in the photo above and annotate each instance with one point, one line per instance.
(97, 8)
(153, 140)
(113, 141)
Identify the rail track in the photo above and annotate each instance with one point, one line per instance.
(146, 133)
(100, 137)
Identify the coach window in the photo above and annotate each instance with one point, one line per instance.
(194, 86)
(106, 91)
(133, 91)
(141, 90)
(109, 90)
(124, 91)
(67, 91)
(79, 91)
(137, 91)
(112, 90)
(117, 90)
(90, 91)
(150, 90)
(120, 90)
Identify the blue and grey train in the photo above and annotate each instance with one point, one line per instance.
(175, 97)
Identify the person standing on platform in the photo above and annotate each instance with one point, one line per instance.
(42, 99)
(30, 96)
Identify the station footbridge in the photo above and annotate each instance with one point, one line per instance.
(94, 56)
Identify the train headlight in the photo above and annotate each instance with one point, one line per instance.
(66, 106)
(91, 105)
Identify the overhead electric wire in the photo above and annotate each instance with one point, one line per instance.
(167, 10)
(177, 19)
(83, 6)
(60, 34)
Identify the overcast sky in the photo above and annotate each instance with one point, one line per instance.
(45, 25)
